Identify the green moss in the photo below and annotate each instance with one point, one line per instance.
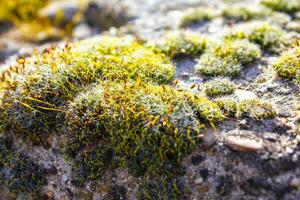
(242, 51)
(226, 59)
(197, 15)
(36, 103)
(228, 104)
(270, 38)
(256, 109)
(211, 65)
(92, 163)
(242, 12)
(288, 64)
(17, 172)
(219, 86)
(148, 126)
(288, 6)
(182, 43)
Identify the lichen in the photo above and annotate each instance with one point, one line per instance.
(180, 43)
(219, 86)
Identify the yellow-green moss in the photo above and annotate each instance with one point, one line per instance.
(20, 10)
(270, 38)
(197, 15)
(148, 128)
(242, 12)
(226, 59)
(288, 6)
(256, 109)
(180, 43)
(228, 104)
(35, 103)
(288, 64)
(219, 86)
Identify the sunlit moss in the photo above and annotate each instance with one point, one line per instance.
(256, 109)
(242, 12)
(226, 59)
(181, 43)
(270, 38)
(219, 86)
(228, 104)
(20, 10)
(288, 64)
(288, 6)
(197, 15)
(38, 92)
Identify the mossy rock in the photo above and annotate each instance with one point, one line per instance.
(198, 15)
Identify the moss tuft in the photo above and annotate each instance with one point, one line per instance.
(288, 6)
(226, 59)
(241, 12)
(256, 109)
(37, 102)
(270, 38)
(288, 64)
(197, 15)
(228, 104)
(181, 43)
(219, 86)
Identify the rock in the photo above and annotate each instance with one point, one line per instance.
(204, 173)
(209, 137)
(244, 94)
(65, 178)
(66, 9)
(82, 31)
(49, 194)
(103, 14)
(242, 143)
(199, 181)
(196, 160)
(295, 182)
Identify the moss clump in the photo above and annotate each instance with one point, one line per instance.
(36, 98)
(149, 128)
(288, 6)
(211, 65)
(227, 58)
(17, 172)
(270, 38)
(241, 12)
(242, 51)
(288, 64)
(182, 43)
(219, 86)
(197, 15)
(20, 10)
(228, 104)
(256, 109)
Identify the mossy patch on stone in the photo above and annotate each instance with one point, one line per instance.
(180, 43)
(219, 86)
(197, 15)
(288, 6)
(288, 64)
(256, 109)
